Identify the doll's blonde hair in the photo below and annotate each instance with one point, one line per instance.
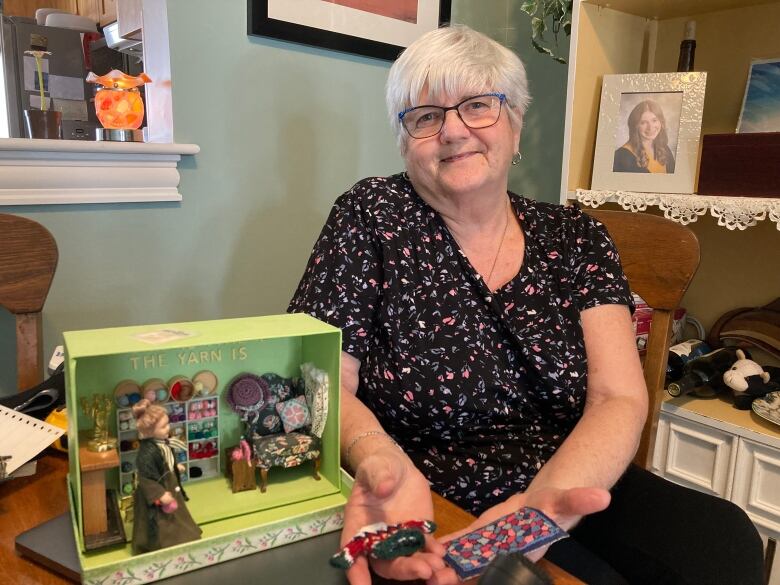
(147, 417)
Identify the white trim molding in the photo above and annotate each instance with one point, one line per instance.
(44, 172)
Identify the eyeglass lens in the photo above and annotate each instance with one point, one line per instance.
(476, 112)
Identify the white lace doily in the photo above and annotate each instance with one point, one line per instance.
(732, 212)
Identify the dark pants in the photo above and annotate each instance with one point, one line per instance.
(658, 533)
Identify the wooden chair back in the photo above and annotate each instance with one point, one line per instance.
(659, 258)
(28, 260)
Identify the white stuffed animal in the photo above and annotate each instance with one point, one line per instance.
(747, 380)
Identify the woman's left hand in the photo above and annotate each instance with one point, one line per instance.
(565, 507)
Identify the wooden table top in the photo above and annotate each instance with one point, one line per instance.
(25, 503)
(29, 501)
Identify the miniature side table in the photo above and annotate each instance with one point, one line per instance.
(93, 488)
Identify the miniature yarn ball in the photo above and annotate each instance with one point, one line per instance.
(247, 391)
(127, 488)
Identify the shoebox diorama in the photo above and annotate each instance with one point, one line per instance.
(196, 443)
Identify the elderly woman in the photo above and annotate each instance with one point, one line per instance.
(647, 149)
(489, 337)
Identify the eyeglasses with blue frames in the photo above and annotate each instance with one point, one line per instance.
(475, 112)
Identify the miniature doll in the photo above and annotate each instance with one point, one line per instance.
(161, 516)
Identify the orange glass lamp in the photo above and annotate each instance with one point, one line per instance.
(119, 105)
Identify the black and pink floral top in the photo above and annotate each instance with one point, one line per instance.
(479, 388)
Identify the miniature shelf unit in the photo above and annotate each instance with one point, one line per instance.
(200, 433)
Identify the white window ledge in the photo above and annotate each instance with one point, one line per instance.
(44, 172)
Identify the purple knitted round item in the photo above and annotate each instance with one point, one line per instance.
(247, 391)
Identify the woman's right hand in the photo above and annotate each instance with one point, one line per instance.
(389, 488)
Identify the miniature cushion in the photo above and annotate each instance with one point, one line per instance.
(268, 422)
(294, 413)
(281, 388)
(286, 450)
(316, 389)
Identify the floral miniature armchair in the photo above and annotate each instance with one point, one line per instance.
(284, 418)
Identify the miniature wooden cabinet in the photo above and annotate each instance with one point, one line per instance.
(710, 446)
(93, 476)
(195, 422)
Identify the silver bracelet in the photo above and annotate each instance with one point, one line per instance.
(363, 436)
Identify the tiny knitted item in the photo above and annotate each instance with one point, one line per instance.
(247, 394)
(522, 531)
(381, 541)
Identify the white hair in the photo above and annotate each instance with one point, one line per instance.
(456, 61)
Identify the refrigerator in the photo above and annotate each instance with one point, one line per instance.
(64, 72)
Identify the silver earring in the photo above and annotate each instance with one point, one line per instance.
(516, 158)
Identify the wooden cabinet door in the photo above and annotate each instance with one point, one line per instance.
(28, 7)
(90, 9)
(107, 12)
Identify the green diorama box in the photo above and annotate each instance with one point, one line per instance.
(295, 505)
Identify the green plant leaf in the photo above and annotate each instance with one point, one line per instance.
(552, 15)
(546, 51)
(538, 27)
(530, 7)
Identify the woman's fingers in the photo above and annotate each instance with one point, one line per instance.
(381, 474)
(358, 573)
(446, 576)
(434, 547)
(566, 507)
(421, 565)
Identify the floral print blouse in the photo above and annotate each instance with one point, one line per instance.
(479, 388)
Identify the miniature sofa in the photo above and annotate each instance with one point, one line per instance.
(284, 418)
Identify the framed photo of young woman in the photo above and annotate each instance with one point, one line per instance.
(376, 28)
(648, 132)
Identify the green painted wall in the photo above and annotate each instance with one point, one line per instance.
(283, 130)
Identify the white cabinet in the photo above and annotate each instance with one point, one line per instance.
(709, 446)
(757, 483)
(695, 456)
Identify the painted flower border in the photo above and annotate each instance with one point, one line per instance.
(196, 555)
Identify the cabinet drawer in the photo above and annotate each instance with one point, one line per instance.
(694, 455)
(757, 484)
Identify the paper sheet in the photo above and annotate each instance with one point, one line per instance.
(31, 74)
(64, 87)
(72, 109)
(23, 437)
(35, 102)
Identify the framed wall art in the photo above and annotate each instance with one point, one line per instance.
(648, 132)
(375, 28)
(761, 104)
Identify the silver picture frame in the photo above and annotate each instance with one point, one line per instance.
(680, 99)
